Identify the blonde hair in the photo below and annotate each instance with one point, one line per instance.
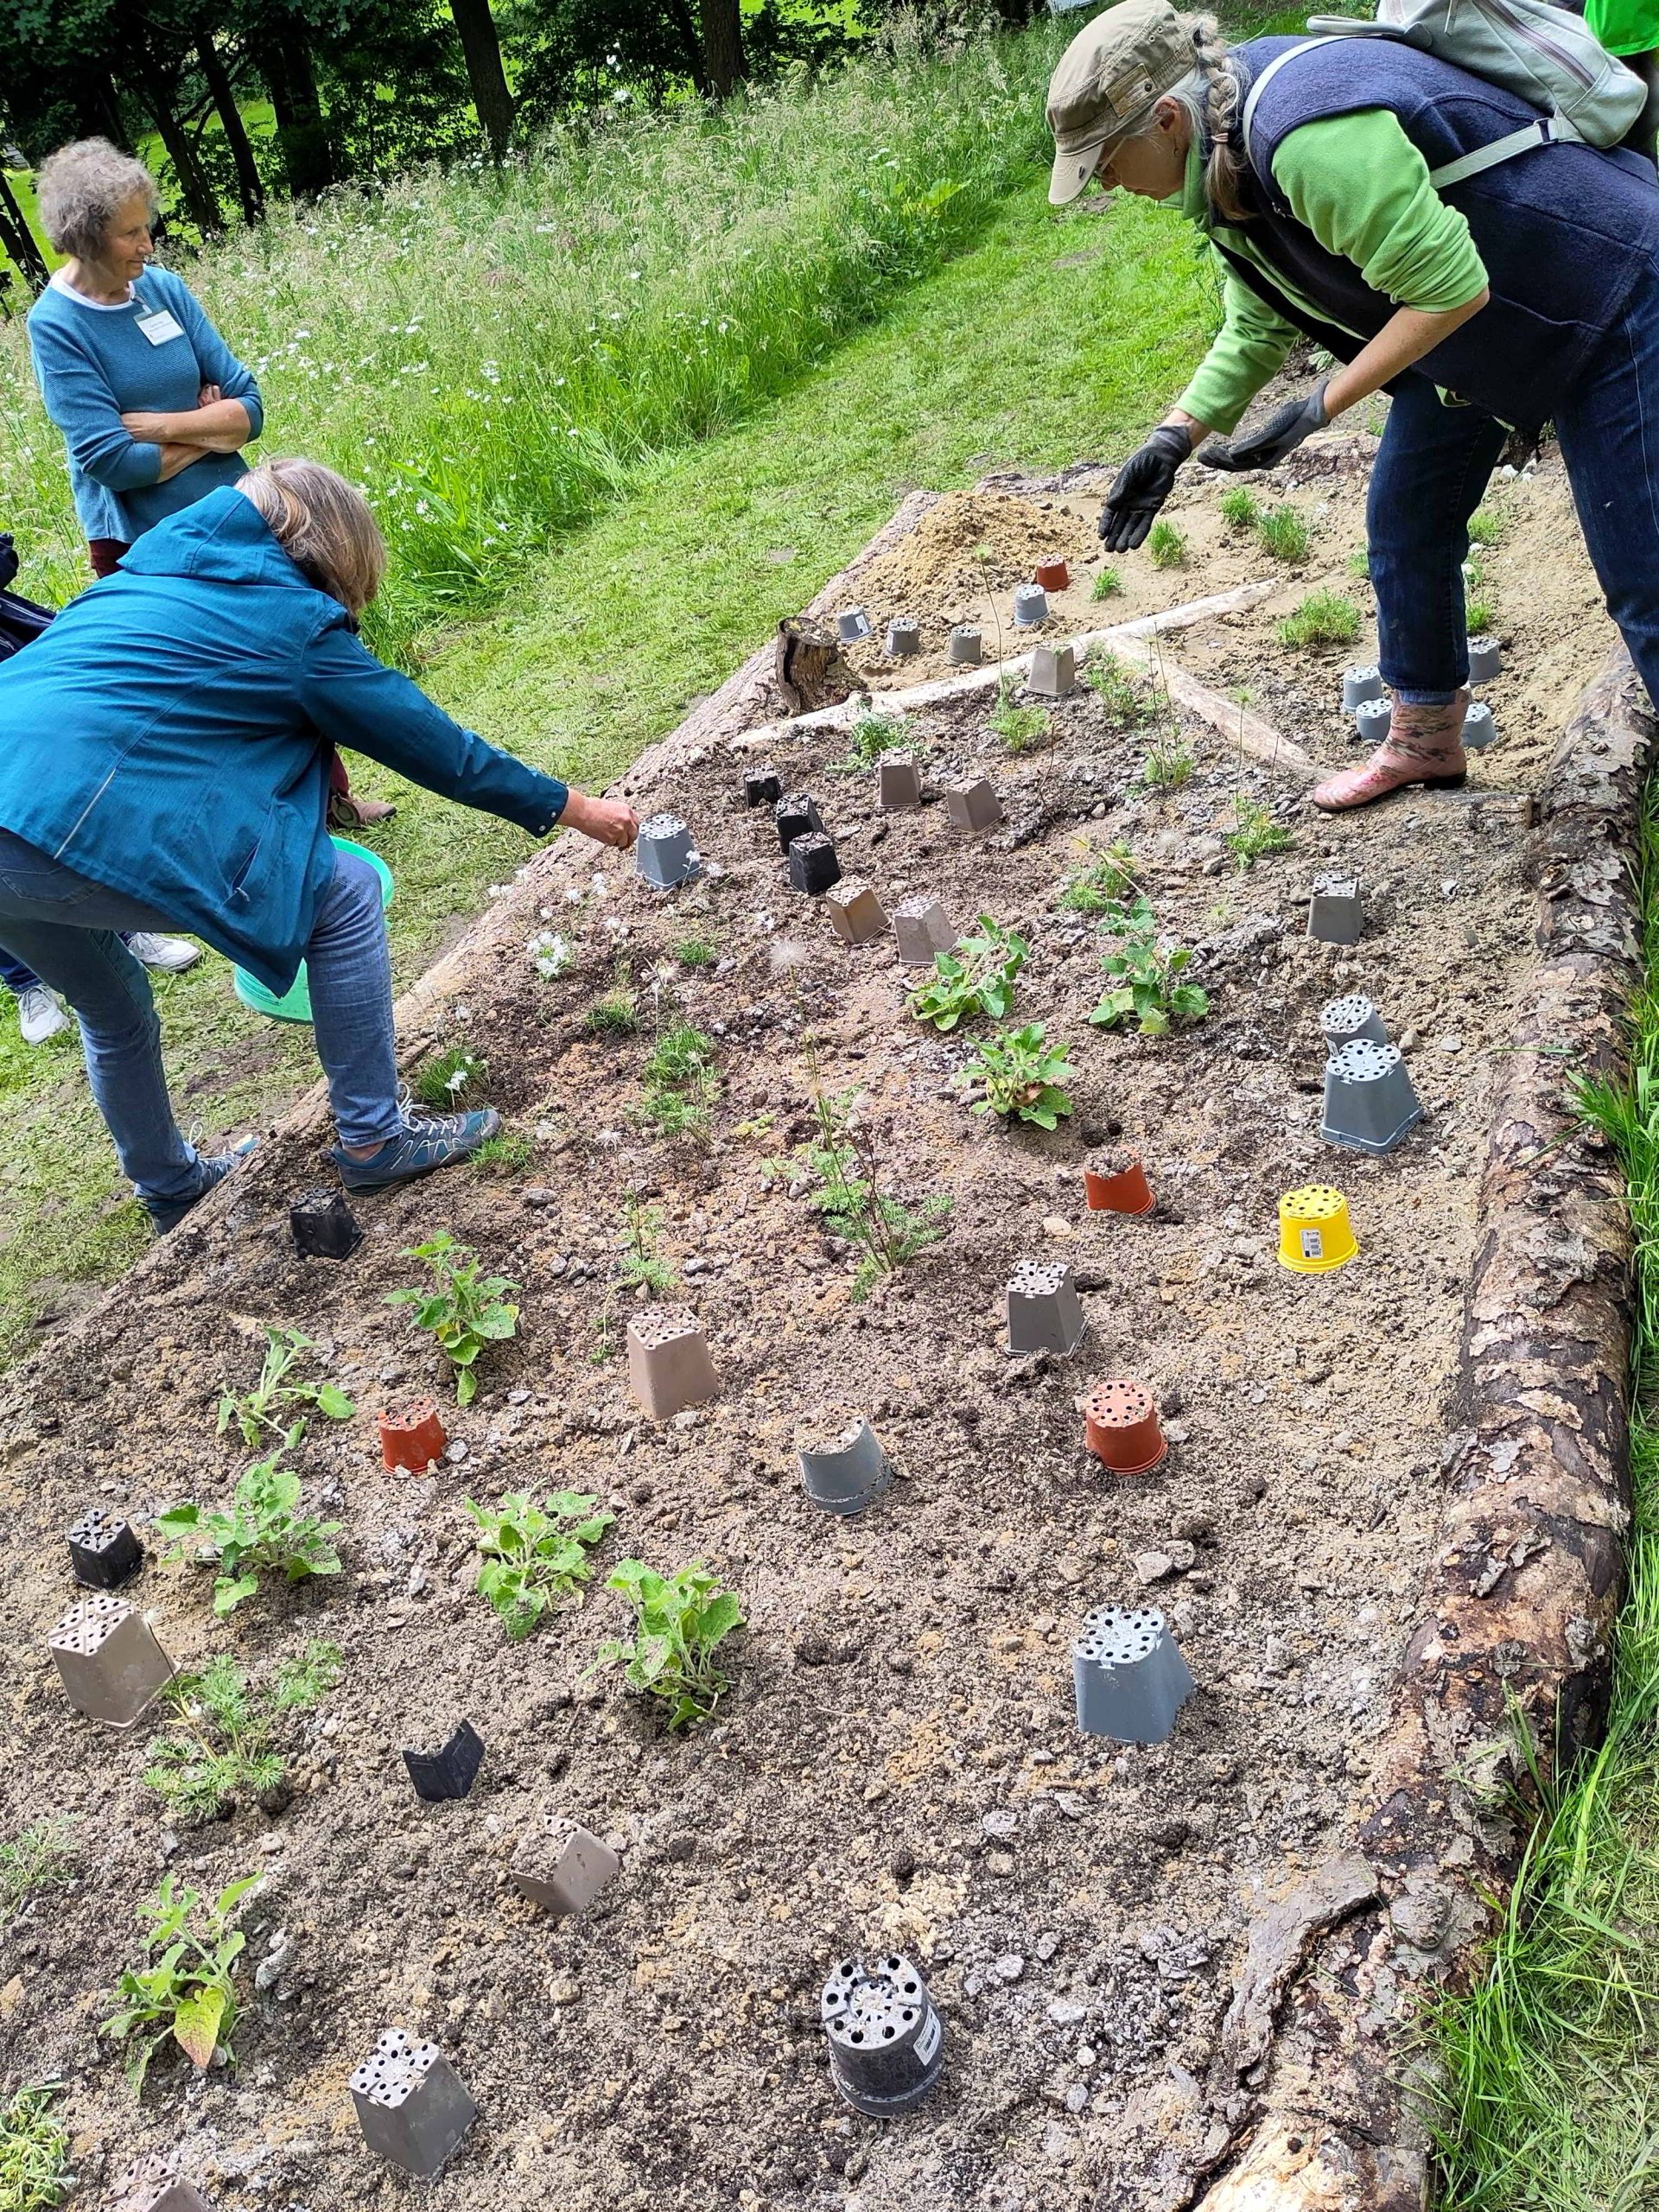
(1212, 97)
(78, 190)
(325, 526)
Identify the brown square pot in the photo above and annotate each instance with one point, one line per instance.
(855, 911)
(670, 1366)
(108, 1660)
(972, 804)
(1054, 671)
(562, 1866)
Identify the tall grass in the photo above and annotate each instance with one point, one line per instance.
(495, 357)
(1551, 2091)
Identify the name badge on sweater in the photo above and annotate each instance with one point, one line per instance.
(160, 326)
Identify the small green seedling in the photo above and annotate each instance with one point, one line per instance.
(1122, 698)
(872, 735)
(504, 1155)
(1253, 832)
(463, 1310)
(1018, 728)
(1284, 534)
(39, 1856)
(616, 1015)
(1238, 508)
(261, 1532)
(681, 1084)
(1479, 615)
(641, 1267)
(1325, 618)
(217, 1749)
(267, 1409)
(534, 1554)
(1168, 765)
(977, 977)
(852, 1206)
(1485, 527)
(680, 1620)
(188, 1990)
(1165, 547)
(1108, 584)
(1146, 967)
(1092, 889)
(697, 951)
(455, 1079)
(1019, 1074)
(35, 2173)
(1359, 564)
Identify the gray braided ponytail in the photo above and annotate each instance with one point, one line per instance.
(1220, 89)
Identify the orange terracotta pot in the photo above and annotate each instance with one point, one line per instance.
(1121, 1428)
(1127, 1191)
(1053, 575)
(413, 1438)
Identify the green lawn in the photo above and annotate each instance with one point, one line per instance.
(999, 358)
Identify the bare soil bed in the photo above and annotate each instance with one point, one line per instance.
(897, 1765)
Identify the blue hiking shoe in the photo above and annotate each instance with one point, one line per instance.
(427, 1141)
(168, 1213)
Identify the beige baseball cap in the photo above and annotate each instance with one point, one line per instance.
(1106, 83)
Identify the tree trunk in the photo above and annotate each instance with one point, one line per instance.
(200, 205)
(482, 49)
(724, 61)
(250, 188)
(690, 43)
(285, 62)
(17, 240)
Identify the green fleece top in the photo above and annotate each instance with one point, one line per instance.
(1362, 187)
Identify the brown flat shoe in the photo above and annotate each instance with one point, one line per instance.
(347, 811)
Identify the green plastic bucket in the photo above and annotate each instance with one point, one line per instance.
(294, 1004)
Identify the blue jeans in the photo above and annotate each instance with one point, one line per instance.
(65, 925)
(1432, 472)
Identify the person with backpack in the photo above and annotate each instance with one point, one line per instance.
(1447, 242)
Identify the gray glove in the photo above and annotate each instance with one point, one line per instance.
(1281, 434)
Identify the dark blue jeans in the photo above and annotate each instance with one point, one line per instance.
(1432, 472)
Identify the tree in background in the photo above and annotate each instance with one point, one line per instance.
(481, 45)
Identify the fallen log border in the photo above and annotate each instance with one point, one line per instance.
(1317, 2095)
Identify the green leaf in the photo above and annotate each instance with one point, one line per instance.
(228, 1594)
(195, 2023)
(334, 1402)
(466, 1387)
(718, 1619)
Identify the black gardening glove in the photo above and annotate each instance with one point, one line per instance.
(1144, 482)
(1281, 434)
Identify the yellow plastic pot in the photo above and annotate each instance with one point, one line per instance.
(1315, 1235)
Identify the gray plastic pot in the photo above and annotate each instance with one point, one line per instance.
(1130, 1676)
(964, 649)
(903, 637)
(849, 1473)
(1485, 660)
(1334, 913)
(887, 2041)
(667, 854)
(1044, 1312)
(897, 782)
(1030, 605)
(852, 624)
(410, 2103)
(1360, 684)
(1345, 1018)
(1370, 1103)
(1479, 727)
(1373, 719)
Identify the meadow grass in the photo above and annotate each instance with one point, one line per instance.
(1549, 2094)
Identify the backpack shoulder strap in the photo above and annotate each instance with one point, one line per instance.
(1261, 83)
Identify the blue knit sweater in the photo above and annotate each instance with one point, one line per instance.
(95, 365)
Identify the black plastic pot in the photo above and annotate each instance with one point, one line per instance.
(796, 816)
(451, 1770)
(762, 787)
(886, 2042)
(813, 865)
(324, 1226)
(103, 1550)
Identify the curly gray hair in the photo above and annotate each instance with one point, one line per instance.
(79, 190)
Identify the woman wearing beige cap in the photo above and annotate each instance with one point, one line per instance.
(1522, 290)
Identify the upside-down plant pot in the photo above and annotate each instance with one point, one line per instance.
(1315, 1235)
(1128, 1675)
(1121, 1428)
(450, 1769)
(1030, 606)
(852, 624)
(922, 929)
(1334, 913)
(973, 805)
(562, 1867)
(174, 2195)
(903, 637)
(1360, 684)
(411, 2104)
(323, 1226)
(887, 2041)
(964, 648)
(855, 911)
(1052, 575)
(108, 1660)
(762, 787)
(1485, 660)
(1370, 1101)
(813, 865)
(1341, 1021)
(670, 1365)
(1117, 1184)
(1373, 719)
(848, 1472)
(667, 855)
(104, 1551)
(1479, 727)
(796, 816)
(1044, 1312)
(897, 782)
(413, 1437)
(1054, 671)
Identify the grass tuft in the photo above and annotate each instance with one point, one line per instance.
(1325, 618)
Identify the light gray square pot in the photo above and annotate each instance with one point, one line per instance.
(1369, 1103)
(1130, 1678)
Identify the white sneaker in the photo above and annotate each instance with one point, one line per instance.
(173, 955)
(40, 1014)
